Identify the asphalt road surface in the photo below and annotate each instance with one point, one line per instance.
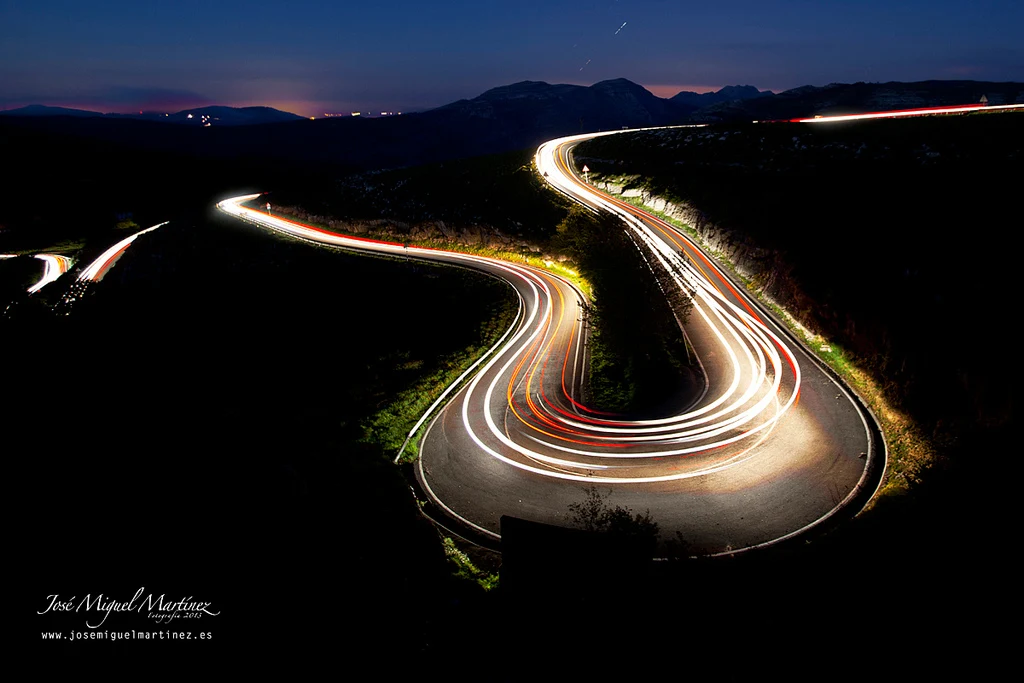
(774, 446)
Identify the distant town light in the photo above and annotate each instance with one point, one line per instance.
(369, 114)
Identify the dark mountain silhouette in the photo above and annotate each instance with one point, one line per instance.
(44, 110)
(200, 116)
(228, 116)
(852, 98)
(727, 94)
(537, 110)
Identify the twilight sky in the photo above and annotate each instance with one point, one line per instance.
(310, 57)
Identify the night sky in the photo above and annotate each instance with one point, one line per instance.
(312, 57)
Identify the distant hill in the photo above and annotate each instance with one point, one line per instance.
(729, 93)
(233, 116)
(543, 109)
(510, 117)
(851, 98)
(200, 116)
(43, 110)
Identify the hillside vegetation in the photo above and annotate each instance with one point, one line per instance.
(877, 238)
(498, 205)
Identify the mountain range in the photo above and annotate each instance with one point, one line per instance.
(509, 117)
(589, 104)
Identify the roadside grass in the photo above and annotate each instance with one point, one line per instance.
(561, 269)
(910, 453)
(609, 387)
(466, 569)
(565, 270)
(389, 427)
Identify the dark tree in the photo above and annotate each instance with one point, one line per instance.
(594, 514)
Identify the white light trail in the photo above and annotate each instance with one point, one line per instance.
(519, 406)
(56, 266)
(98, 268)
(901, 113)
(514, 412)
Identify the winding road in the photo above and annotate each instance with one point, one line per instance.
(773, 447)
(54, 266)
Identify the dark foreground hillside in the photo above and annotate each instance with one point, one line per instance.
(192, 426)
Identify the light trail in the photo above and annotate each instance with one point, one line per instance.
(901, 113)
(762, 384)
(99, 267)
(517, 423)
(56, 266)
